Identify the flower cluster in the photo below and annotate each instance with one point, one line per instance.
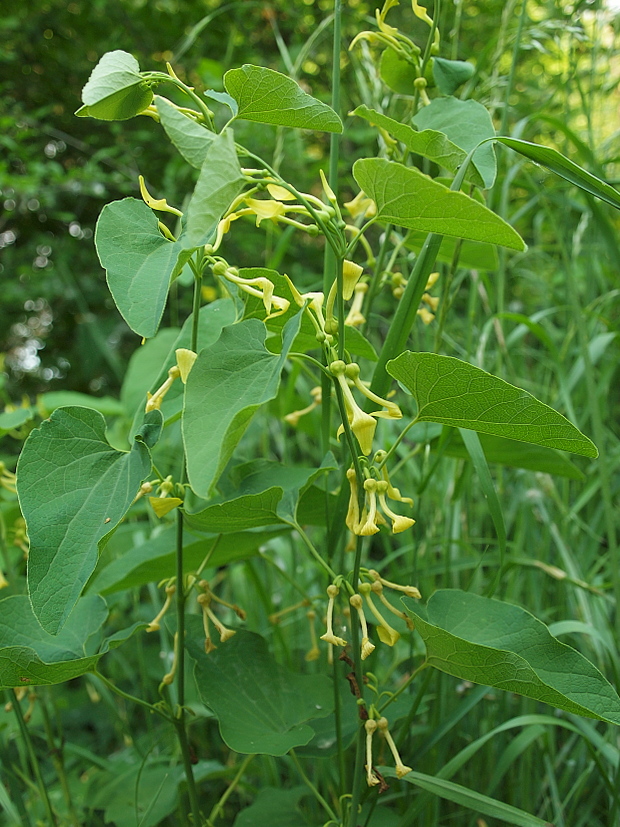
(371, 726)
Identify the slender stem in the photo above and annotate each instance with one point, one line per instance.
(219, 806)
(34, 761)
(313, 551)
(196, 309)
(128, 697)
(311, 786)
(404, 686)
(358, 772)
(56, 755)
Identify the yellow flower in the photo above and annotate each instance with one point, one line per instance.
(185, 362)
(280, 193)
(351, 273)
(401, 769)
(387, 634)
(265, 209)
(361, 205)
(371, 779)
(156, 203)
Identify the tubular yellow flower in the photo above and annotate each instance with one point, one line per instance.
(3, 581)
(154, 625)
(370, 524)
(351, 273)
(362, 424)
(169, 677)
(431, 280)
(331, 195)
(370, 726)
(431, 301)
(399, 522)
(265, 209)
(313, 653)
(185, 362)
(329, 636)
(280, 193)
(353, 373)
(401, 769)
(386, 633)
(154, 400)
(204, 584)
(353, 514)
(410, 591)
(294, 417)
(156, 203)
(163, 505)
(426, 316)
(377, 588)
(367, 646)
(361, 205)
(355, 316)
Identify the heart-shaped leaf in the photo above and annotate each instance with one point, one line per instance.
(139, 262)
(115, 90)
(73, 490)
(261, 706)
(497, 644)
(408, 198)
(452, 392)
(270, 97)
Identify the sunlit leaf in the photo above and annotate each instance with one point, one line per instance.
(115, 91)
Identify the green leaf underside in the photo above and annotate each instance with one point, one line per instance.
(219, 183)
(473, 254)
(115, 91)
(465, 123)
(269, 97)
(562, 166)
(29, 656)
(73, 490)
(452, 392)
(154, 559)
(497, 644)
(408, 198)
(261, 707)
(470, 799)
(230, 380)
(189, 137)
(429, 143)
(305, 340)
(139, 262)
(516, 455)
(274, 807)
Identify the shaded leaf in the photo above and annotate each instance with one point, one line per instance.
(397, 73)
(270, 97)
(106, 405)
(273, 807)
(230, 380)
(115, 91)
(428, 143)
(465, 123)
(74, 489)
(261, 707)
(565, 168)
(452, 392)
(497, 644)
(474, 254)
(450, 74)
(470, 799)
(408, 198)
(139, 262)
(9, 420)
(30, 656)
(219, 183)
(154, 559)
(189, 137)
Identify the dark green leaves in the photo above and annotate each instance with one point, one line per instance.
(229, 382)
(30, 656)
(115, 91)
(74, 489)
(219, 182)
(261, 707)
(139, 262)
(270, 97)
(452, 392)
(465, 123)
(408, 198)
(450, 74)
(497, 644)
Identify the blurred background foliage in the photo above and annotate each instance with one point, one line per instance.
(58, 326)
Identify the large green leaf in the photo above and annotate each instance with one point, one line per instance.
(397, 73)
(497, 644)
(230, 380)
(115, 91)
(74, 489)
(408, 198)
(219, 183)
(562, 166)
(261, 706)
(190, 138)
(465, 123)
(270, 97)
(139, 262)
(452, 392)
(30, 656)
(154, 559)
(470, 799)
(267, 494)
(428, 143)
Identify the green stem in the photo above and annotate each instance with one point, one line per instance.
(34, 761)
(56, 755)
(311, 786)
(196, 309)
(358, 772)
(313, 551)
(219, 806)
(128, 697)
